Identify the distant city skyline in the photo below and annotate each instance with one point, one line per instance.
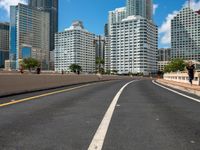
(94, 14)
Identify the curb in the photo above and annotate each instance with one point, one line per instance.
(188, 90)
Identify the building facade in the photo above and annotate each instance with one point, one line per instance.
(100, 46)
(107, 54)
(116, 16)
(50, 6)
(29, 35)
(185, 35)
(142, 8)
(164, 57)
(164, 54)
(134, 46)
(75, 46)
(133, 39)
(4, 43)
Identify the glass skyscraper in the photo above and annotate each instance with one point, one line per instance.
(140, 8)
(29, 35)
(4, 43)
(50, 6)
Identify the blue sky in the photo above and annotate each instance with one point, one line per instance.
(94, 14)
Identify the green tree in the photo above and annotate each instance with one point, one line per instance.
(175, 65)
(75, 68)
(114, 71)
(30, 63)
(99, 64)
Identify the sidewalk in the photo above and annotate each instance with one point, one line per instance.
(193, 89)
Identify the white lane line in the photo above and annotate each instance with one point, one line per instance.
(98, 139)
(194, 99)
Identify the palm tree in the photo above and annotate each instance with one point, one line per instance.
(99, 64)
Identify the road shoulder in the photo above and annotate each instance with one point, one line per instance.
(180, 86)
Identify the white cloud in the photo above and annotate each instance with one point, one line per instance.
(165, 29)
(194, 4)
(155, 6)
(5, 4)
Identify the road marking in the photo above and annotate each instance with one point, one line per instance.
(43, 95)
(98, 139)
(194, 99)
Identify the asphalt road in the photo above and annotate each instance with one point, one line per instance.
(146, 117)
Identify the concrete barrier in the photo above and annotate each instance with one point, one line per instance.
(182, 77)
(17, 83)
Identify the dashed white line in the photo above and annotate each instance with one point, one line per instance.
(194, 99)
(98, 139)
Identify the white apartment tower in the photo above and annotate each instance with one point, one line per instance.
(185, 35)
(116, 16)
(134, 46)
(133, 40)
(75, 46)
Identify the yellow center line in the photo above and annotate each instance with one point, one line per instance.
(43, 95)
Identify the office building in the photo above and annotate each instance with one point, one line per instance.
(4, 43)
(164, 54)
(134, 46)
(185, 35)
(106, 30)
(29, 35)
(164, 57)
(75, 45)
(99, 46)
(142, 8)
(107, 54)
(50, 6)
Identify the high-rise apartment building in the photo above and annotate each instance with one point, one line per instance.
(116, 16)
(50, 6)
(134, 46)
(29, 35)
(133, 39)
(142, 8)
(185, 35)
(75, 46)
(4, 43)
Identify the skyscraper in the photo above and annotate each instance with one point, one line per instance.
(4, 43)
(50, 6)
(29, 35)
(142, 8)
(185, 35)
